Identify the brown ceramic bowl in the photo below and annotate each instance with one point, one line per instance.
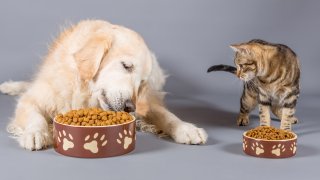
(269, 148)
(94, 141)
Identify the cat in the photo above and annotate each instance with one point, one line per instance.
(271, 74)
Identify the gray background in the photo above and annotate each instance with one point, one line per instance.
(187, 37)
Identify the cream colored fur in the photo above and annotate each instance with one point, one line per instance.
(85, 68)
(13, 88)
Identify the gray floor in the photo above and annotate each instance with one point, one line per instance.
(155, 158)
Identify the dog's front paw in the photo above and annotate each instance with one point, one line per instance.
(35, 139)
(186, 133)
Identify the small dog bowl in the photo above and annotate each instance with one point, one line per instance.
(269, 148)
(94, 141)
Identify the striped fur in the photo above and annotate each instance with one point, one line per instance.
(271, 73)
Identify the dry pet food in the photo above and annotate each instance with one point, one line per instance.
(269, 133)
(93, 117)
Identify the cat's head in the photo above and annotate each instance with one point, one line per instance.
(249, 58)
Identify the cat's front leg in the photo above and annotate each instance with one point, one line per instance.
(288, 109)
(248, 102)
(264, 115)
(287, 118)
(264, 110)
(278, 112)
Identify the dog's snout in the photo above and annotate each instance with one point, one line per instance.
(116, 102)
(129, 106)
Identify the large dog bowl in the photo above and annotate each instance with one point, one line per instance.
(94, 141)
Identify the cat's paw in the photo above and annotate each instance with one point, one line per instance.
(294, 120)
(243, 120)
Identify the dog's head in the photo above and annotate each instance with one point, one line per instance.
(114, 64)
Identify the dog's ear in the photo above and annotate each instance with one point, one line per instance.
(149, 92)
(156, 77)
(89, 57)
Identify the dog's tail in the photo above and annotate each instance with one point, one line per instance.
(14, 88)
(223, 67)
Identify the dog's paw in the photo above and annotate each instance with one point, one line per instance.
(35, 140)
(186, 133)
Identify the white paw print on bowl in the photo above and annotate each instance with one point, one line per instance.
(244, 144)
(126, 140)
(92, 145)
(293, 147)
(66, 140)
(257, 148)
(278, 149)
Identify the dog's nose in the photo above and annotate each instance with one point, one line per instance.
(129, 106)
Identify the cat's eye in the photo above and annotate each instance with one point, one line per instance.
(127, 66)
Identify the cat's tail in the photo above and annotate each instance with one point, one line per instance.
(223, 67)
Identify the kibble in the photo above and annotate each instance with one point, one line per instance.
(269, 133)
(93, 117)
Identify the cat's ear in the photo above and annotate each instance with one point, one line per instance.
(241, 48)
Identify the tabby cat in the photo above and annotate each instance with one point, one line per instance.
(271, 74)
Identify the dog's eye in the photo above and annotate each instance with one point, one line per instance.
(127, 66)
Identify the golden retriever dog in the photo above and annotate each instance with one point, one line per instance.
(95, 64)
